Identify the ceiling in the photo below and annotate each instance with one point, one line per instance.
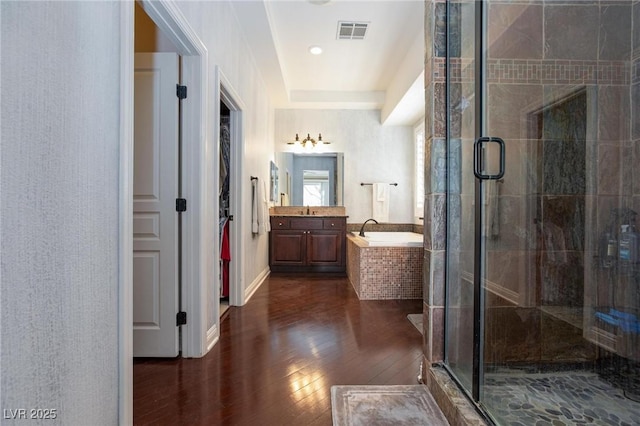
(382, 71)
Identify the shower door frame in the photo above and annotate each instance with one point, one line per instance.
(474, 394)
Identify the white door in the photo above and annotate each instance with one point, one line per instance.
(155, 220)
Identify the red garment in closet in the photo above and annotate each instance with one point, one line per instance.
(225, 256)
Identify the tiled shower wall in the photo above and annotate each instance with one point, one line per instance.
(540, 52)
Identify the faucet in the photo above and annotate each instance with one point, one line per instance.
(365, 222)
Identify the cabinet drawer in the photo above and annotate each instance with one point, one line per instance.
(333, 223)
(305, 223)
(280, 223)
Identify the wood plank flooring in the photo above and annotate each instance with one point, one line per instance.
(279, 355)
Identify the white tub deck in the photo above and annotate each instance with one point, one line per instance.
(390, 239)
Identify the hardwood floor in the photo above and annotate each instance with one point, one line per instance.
(279, 355)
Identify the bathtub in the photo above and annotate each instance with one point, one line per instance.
(390, 239)
(385, 265)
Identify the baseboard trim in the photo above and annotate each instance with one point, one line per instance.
(255, 284)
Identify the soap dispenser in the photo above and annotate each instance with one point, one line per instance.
(608, 245)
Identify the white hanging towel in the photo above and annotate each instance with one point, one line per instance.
(380, 202)
(263, 211)
(254, 206)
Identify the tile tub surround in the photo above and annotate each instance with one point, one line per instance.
(378, 273)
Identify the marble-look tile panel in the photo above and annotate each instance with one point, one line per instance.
(506, 225)
(428, 108)
(427, 287)
(635, 175)
(459, 328)
(440, 30)
(454, 166)
(561, 341)
(458, 104)
(437, 333)
(636, 30)
(454, 225)
(609, 167)
(566, 116)
(520, 342)
(626, 168)
(437, 166)
(508, 107)
(429, 334)
(455, 29)
(613, 113)
(435, 222)
(564, 167)
(515, 31)
(635, 109)
(563, 223)
(437, 277)
(508, 273)
(439, 110)
(615, 27)
(562, 276)
(571, 31)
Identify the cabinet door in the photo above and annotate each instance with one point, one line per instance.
(324, 247)
(288, 247)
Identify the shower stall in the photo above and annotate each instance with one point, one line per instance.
(542, 277)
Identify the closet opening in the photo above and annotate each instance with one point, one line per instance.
(224, 210)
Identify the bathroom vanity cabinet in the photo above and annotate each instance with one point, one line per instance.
(307, 243)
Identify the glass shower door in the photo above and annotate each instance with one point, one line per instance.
(543, 253)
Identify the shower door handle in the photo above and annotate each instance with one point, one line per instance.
(478, 158)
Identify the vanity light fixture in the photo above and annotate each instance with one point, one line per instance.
(308, 140)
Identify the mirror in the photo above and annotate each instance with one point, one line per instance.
(310, 179)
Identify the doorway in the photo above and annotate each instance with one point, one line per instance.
(542, 294)
(224, 207)
(197, 239)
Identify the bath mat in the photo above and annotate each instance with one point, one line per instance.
(405, 405)
(416, 319)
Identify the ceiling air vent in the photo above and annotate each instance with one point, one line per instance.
(352, 30)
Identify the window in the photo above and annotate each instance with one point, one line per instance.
(419, 170)
(315, 188)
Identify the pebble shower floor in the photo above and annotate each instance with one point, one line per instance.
(546, 399)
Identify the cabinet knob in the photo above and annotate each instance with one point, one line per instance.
(332, 224)
(279, 223)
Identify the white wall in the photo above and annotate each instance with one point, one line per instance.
(59, 208)
(372, 153)
(217, 27)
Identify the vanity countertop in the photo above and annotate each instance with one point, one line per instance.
(307, 215)
(300, 211)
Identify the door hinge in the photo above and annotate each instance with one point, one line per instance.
(181, 318)
(181, 91)
(181, 204)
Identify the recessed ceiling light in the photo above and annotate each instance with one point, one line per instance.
(319, 2)
(315, 50)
